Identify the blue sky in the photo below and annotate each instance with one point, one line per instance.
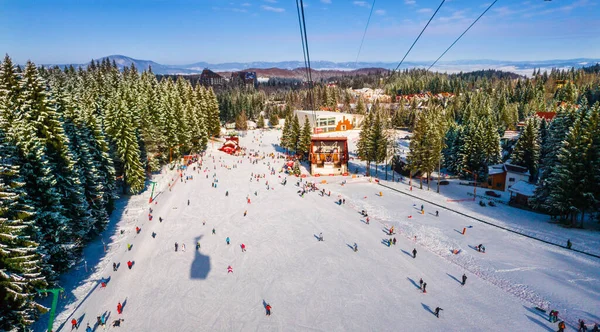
(186, 31)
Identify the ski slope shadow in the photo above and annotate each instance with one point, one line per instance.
(541, 324)
(426, 307)
(201, 264)
(413, 282)
(536, 312)
(407, 253)
(453, 277)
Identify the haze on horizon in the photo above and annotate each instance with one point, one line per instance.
(184, 31)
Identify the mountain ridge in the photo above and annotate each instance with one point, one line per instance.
(520, 67)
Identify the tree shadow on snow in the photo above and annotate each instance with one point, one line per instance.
(201, 264)
(426, 307)
(93, 254)
(451, 276)
(537, 321)
(278, 148)
(414, 283)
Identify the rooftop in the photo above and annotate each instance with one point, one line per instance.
(524, 188)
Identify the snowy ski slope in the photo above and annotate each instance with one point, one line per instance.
(324, 286)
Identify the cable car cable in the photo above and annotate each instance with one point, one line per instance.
(462, 34)
(364, 34)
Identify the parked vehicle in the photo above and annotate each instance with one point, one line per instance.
(492, 193)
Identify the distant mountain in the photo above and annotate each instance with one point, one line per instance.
(519, 67)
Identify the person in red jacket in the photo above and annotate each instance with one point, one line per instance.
(243, 247)
(120, 308)
(73, 324)
(129, 264)
(268, 308)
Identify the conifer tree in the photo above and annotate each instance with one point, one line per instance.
(20, 271)
(527, 149)
(295, 134)
(241, 122)
(364, 146)
(360, 107)
(286, 132)
(213, 122)
(305, 139)
(273, 120)
(260, 123)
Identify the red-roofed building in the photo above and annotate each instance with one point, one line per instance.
(546, 115)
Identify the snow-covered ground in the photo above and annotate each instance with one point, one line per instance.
(325, 286)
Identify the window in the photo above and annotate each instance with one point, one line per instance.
(511, 179)
(498, 184)
(331, 121)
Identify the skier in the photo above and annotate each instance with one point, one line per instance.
(73, 324)
(183, 247)
(394, 241)
(153, 235)
(582, 327)
(340, 202)
(214, 231)
(129, 246)
(129, 264)
(227, 240)
(88, 328)
(561, 326)
(245, 213)
(229, 269)
(569, 244)
(414, 253)
(188, 202)
(243, 247)
(114, 266)
(355, 247)
(117, 322)
(227, 193)
(464, 279)
(103, 320)
(320, 236)
(424, 287)
(198, 245)
(160, 219)
(367, 220)
(421, 284)
(389, 242)
(344, 201)
(120, 308)
(268, 308)
(595, 328)
(437, 312)
(437, 213)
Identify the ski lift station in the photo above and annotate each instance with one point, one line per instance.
(326, 121)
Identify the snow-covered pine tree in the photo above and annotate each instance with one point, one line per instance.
(557, 131)
(20, 263)
(213, 120)
(364, 146)
(527, 149)
(305, 139)
(568, 195)
(37, 109)
(200, 113)
(127, 152)
(360, 107)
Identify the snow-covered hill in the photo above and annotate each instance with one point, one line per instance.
(324, 286)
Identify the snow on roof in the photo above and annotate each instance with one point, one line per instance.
(496, 169)
(522, 187)
(511, 135)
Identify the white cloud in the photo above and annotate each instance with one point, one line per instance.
(239, 10)
(271, 1)
(410, 2)
(272, 9)
(380, 12)
(361, 4)
(245, 4)
(326, 1)
(424, 10)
